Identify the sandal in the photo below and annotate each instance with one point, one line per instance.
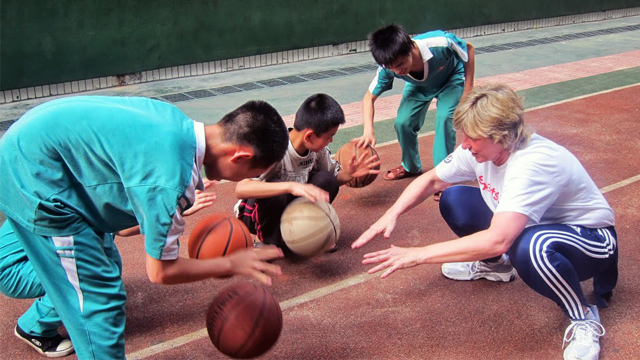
(399, 173)
(436, 196)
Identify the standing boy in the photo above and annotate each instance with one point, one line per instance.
(436, 65)
(75, 170)
(307, 169)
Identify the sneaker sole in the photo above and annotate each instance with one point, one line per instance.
(49, 354)
(491, 277)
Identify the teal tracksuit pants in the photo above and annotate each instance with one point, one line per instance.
(411, 116)
(85, 293)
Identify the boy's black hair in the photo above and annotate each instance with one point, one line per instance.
(258, 125)
(389, 43)
(319, 113)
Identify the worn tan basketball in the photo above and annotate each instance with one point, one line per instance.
(244, 320)
(343, 156)
(308, 228)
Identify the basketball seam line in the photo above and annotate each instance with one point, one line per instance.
(205, 237)
(335, 233)
(225, 319)
(258, 319)
(226, 247)
(244, 233)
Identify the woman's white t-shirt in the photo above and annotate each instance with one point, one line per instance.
(543, 181)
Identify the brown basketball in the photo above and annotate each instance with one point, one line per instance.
(244, 320)
(343, 156)
(218, 235)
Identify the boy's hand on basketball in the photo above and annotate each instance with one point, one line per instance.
(309, 191)
(392, 259)
(385, 225)
(362, 165)
(253, 262)
(364, 140)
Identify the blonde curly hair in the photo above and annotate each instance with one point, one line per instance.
(495, 112)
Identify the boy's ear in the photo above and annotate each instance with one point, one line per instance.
(241, 155)
(307, 135)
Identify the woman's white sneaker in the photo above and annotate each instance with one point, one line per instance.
(493, 271)
(583, 337)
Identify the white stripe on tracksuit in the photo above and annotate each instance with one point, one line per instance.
(538, 253)
(64, 248)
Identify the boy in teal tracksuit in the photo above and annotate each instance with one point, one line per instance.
(75, 170)
(436, 65)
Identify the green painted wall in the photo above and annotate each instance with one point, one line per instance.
(52, 41)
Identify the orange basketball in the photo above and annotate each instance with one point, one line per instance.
(218, 235)
(244, 320)
(343, 156)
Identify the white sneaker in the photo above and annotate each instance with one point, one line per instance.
(498, 271)
(236, 209)
(584, 337)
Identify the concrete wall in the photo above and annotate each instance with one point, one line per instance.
(46, 42)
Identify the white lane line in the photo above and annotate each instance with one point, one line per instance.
(327, 290)
(168, 345)
(620, 184)
(323, 291)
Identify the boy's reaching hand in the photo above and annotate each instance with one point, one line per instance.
(309, 191)
(254, 262)
(366, 139)
(362, 165)
(203, 199)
